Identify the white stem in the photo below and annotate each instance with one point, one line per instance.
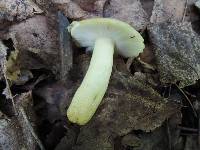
(89, 95)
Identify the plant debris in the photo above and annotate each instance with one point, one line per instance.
(3, 53)
(17, 10)
(17, 132)
(77, 9)
(111, 119)
(176, 49)
(152, 101)
(37, 40)
(168, 10)
(129, 11)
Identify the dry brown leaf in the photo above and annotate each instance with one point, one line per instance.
(17, 10)
(176, 49)
(130, 11)
(130, 103)
(123, 110)
(26, 118)
(37, 42)
(18, 132)
(77, 9)
(12, 136)
(40, 39)
(93, 6)
(165, 10)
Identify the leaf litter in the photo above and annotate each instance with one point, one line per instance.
(148, 99)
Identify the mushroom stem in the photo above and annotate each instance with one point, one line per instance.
(93, 87)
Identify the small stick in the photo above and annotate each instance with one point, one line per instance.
(187, 129)
(185, 11)
(187, 99)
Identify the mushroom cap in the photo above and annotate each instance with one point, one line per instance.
(128, 42)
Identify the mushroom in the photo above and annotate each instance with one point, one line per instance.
(103, 36)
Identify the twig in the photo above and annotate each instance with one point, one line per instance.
(65, 46)
(31, 128)
(185, 11)
(187, 129)
(191, 95)
(187, 99)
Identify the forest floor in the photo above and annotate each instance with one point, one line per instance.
(152, 101)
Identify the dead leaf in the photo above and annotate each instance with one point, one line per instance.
(91, 5)
(168, 10)
(16, 132)
(17, 10)
(176, 50)
(8, 71)
(77, 9)
(130, 103)
(3, 53)
(130, 11)
(37, 40)
(27, 119)
(11, 137)
(3, 70)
